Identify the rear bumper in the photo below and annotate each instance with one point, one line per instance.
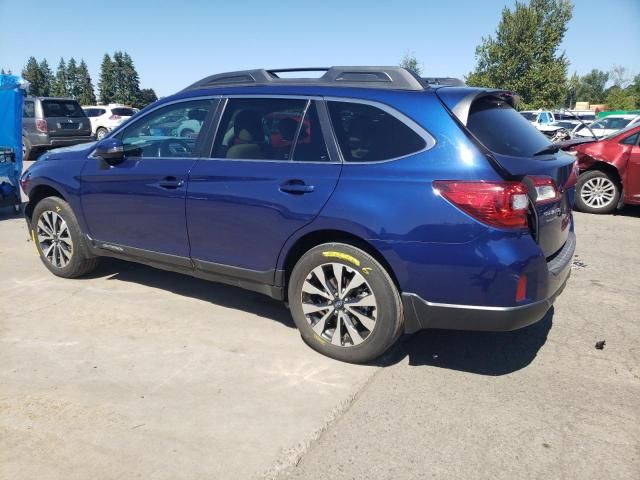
(421, 314)
(48, 142)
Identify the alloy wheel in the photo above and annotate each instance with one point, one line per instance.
(598, 192)
(339, 304)
(54, 238)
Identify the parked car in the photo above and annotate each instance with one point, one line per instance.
(105, 118)
(609, 171)
(606, 126)
(546, 122)
(49, 122)
(410, 207)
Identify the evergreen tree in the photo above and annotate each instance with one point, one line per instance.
(131, 81)
(60, 85)
(86, 95)
(47, 78)
(73, 86)
(147, 96)
(2, 72)
(106, 83)
(32, 74)
(523, 55)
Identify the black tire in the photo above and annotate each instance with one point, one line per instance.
(27, 151)
(101, 131)
(388, 312)
(81, 261)
(586, 183)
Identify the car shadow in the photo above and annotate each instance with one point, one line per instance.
(7, 213)
(628, 211)
(216, 293)
(482, 353)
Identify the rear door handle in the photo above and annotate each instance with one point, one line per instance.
(296, 187)
(170, 183)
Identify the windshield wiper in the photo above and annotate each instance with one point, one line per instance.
(547, 150)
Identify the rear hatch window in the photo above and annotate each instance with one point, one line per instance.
(503, 130)
(62, 108)
(122, 111)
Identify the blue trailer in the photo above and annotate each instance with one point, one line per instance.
(12, 92)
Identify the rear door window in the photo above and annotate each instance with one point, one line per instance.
(366, 133)
(261, 129)
(503, 130)
(62, 108)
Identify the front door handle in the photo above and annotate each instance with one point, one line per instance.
(296, 187)
(170, 183)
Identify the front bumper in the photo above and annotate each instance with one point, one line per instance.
(421, 314)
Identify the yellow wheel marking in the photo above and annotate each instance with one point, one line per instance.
(317, 337)
(33, 238)
(366, 270)
(58, 209)
(342, 256)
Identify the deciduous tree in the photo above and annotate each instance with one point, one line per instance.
(524, 56)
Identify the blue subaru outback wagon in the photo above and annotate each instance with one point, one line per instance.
(371, 200)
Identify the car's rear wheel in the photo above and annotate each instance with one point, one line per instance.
(26, 150)
(101, 133)
(59, 241)
(344, 303)
(597, 192)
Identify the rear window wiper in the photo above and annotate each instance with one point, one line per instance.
(547, 150)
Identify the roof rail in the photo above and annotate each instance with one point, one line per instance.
(392, 78)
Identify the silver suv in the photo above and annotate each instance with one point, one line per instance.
(49, 122)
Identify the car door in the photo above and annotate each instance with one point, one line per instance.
(632, 184)
(269, 175)
(137, 207)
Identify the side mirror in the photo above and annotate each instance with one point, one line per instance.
(111, 150)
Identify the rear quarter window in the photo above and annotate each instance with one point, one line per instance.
(369, 134)
(503, 130)
(29, 110)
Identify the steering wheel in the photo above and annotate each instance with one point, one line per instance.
(174, 147)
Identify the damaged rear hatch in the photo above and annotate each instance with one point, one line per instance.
(520, 152)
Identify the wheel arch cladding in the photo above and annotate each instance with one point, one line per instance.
(38, 193)
(318, 237)
(607, 168)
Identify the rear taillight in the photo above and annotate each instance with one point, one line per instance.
(114, 117)
(498, 204)
(546, 189)
(41, 125)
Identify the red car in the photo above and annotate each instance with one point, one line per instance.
(609, 171)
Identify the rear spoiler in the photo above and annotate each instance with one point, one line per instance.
(459, 100)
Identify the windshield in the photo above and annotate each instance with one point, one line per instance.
(62, 108)
(503, 130)
(529, 116)
(611, 123)
(620, 132)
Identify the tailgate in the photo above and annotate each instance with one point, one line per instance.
(520, 152)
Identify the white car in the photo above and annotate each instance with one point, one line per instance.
(607, 125)
(545, 121)
(105, 118)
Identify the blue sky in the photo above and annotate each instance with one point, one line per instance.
(174, 44)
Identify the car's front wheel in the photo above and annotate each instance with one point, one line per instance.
(345, 303)
(59, 241)
(597, 192)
